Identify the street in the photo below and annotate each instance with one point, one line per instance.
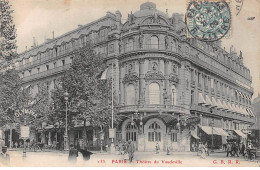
(140, 159)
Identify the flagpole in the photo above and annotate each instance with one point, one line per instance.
(112, 98)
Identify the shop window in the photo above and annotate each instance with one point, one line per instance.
(154, 93)
(130, 95)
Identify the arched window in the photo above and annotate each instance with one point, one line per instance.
(130, 95)
(154, 42)
(154, 92)
(174, 95)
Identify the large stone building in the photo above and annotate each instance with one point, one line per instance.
(171, 89)
(256, 110)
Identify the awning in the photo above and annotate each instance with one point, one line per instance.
(220, 104)
(208, 130)
(251, 112)
(240, 133)
(214, 103)
(221, 132)
(225, 106)
(195, 136)
(247, 97)
(234, 107)
(201, 99)
(230, 107)
(238, 109)
(244, 109)
(208, 101)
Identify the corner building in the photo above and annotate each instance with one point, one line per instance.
(171, 89)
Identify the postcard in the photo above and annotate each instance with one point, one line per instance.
(129, 83)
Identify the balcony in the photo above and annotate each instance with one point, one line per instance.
(152, 47)
(46, 73)
(204, 109)
(151, 108)
(50, 57)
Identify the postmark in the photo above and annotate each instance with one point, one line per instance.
(208, 20)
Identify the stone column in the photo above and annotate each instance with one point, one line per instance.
(49, 138)
(122, 90)
(141, 82)
(167, 87)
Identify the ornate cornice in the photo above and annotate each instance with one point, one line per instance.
(132, 77)
(154, 75)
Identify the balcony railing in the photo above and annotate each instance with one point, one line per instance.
(154, 47)
(151, 107)
(47, 73)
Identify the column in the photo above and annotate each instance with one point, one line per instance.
(49, 138)
(141, 82)
(166, 86)
(11, 135)
(122, 90)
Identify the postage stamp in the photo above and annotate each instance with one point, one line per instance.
(208, 20)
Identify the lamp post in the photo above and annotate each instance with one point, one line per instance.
(212, 124)
(66, 146)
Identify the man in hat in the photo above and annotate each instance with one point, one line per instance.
(4, 156)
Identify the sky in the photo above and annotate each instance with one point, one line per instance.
(39, 18)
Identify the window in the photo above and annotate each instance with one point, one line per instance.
(154, 92)
(174, 95)
(174, 137)
(30, 72)
(38, 70)
(154, 42)
(47, 67)
(63, 62)
(54, 65)
(130, 45)
(131, 132)
(192, 97)
(130, 95)
(155, 135)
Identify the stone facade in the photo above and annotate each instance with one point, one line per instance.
(165, 83)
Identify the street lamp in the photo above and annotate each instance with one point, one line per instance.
(66, 146)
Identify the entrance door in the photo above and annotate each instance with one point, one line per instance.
(131, 133)
(154, 135)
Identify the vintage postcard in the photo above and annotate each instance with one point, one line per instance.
(130, 83)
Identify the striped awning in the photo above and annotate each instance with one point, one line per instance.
(221, 105)
(240, 133)
(226, 106)
(214, 103)
(201, 99)
(208, 101)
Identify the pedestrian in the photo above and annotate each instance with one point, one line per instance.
(199, 149)
(85, 153)
(193, 146)
(157, 148)
(131, 150)
(203, 151)
(243, 149)
(4, 156)
(229, 149)
(232, 149)
(73, 154)
(16, 145)
(206, 149)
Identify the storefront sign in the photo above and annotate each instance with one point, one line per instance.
(25, 131)
(25, 111)
(112, 133)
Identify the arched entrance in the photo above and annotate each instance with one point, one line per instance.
(155, 131)
(130, 132)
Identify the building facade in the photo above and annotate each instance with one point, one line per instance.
(171, 90)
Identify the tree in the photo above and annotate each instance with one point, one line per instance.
(13, 96)
(7, 33)
(89, 97)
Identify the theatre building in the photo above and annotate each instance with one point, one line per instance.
(171, 90)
